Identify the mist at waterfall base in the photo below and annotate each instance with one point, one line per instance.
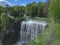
(30, 30)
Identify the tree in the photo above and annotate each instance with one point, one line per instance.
(34, 9)
(28, 9)
(40, 9)
(4, 21)
(2, 9)
(15, 11)
(54, 10)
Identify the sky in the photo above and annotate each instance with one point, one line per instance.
(21, 2)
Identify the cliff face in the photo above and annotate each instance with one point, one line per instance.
(12, 34)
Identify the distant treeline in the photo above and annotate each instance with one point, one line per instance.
(33, 9)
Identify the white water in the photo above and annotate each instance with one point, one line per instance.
(30, 30)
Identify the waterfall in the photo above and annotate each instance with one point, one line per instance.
(30, 30)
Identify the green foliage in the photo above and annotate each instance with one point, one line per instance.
(39, 41)
(2, 8)
(56, 42)
(15, 11)
(28, 9)
(40, 9)
(57, 31)
(54, 10)
(4, 18)
(35, 9)
(4, 21)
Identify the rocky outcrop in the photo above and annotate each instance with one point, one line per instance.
(12, 34)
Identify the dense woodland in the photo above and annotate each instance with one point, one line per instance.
(49, 10)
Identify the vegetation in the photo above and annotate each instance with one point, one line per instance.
(54, 9)
(33, 9)
(51, 35)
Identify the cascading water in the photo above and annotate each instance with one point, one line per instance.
(30, 30)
